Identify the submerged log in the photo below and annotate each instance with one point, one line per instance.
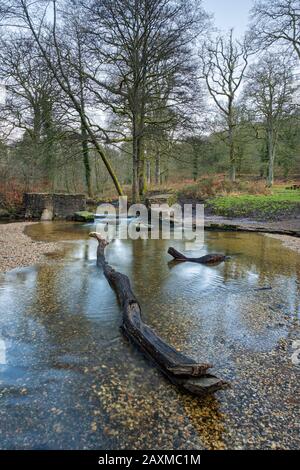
(180, 369)
(207, 259)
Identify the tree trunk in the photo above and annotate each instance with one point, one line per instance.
(271, 157)
(97, 176)
(141, 166)
(36, 138)
(157, 169)
(195, 166)
(86, 161)
(135, 192)
(232, 171)
(179, 369)
(148, 168)
(270, 179)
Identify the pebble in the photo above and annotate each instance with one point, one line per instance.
(18, 250)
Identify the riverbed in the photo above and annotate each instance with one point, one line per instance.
(70, 380)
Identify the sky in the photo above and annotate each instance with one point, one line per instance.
(230, 13)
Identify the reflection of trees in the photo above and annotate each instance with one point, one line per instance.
(150, 272)
(52, 304)
(176, 313)
(59, 296)
(179, 312)
(255, 253)
(75, 304)
(57, 231)
(256, 261)
(16, 302)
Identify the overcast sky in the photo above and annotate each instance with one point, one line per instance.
(229, 13)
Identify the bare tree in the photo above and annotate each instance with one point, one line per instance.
(43, 25)
(277, 21)
(76, 55)
(142, 64)
(32, 103)
(139, 63)
(269, 92)
(224, 62)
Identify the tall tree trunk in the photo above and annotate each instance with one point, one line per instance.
(271, 156)
(49, 154)
(86, 161)
(135, 157)
(157, 169)
(84, 136)
(148, 171)
(232, 162)
(270, 179)
(97, 174)
(36, 137)
(166, 172)
(141, 163)
(232, 170)
(195, 165)
(142, 179)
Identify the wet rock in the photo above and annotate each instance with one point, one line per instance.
(84, 216)
(47, 215)
(4, 214)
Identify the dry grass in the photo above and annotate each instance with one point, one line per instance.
(209, 187)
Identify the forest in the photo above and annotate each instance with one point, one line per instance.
(149, 231)
(124, 97)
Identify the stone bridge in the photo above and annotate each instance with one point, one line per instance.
(49, 206)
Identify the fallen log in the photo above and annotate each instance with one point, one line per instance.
(178, 368)
(207, 259)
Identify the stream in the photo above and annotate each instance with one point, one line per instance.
(69, 379)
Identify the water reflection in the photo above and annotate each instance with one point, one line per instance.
(2, 352)
(68, 378)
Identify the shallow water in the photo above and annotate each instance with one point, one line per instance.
(69, 379)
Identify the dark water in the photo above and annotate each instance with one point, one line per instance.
(70, 380)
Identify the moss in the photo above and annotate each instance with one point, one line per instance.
(222, 227)
(172, 199)
(283, 202)
(5, 214)
(84, 216)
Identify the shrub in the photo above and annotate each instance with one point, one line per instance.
(209, 187)
(11, 195)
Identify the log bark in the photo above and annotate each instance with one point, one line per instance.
(207, 259)
(178, 368)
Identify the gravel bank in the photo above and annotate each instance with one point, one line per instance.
(18, 250)
(290, 227)
(289, 242)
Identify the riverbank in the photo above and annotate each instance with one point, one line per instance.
(287, 231)
(287, 227)
(18, 250)
(281, 204)
(289, 242)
